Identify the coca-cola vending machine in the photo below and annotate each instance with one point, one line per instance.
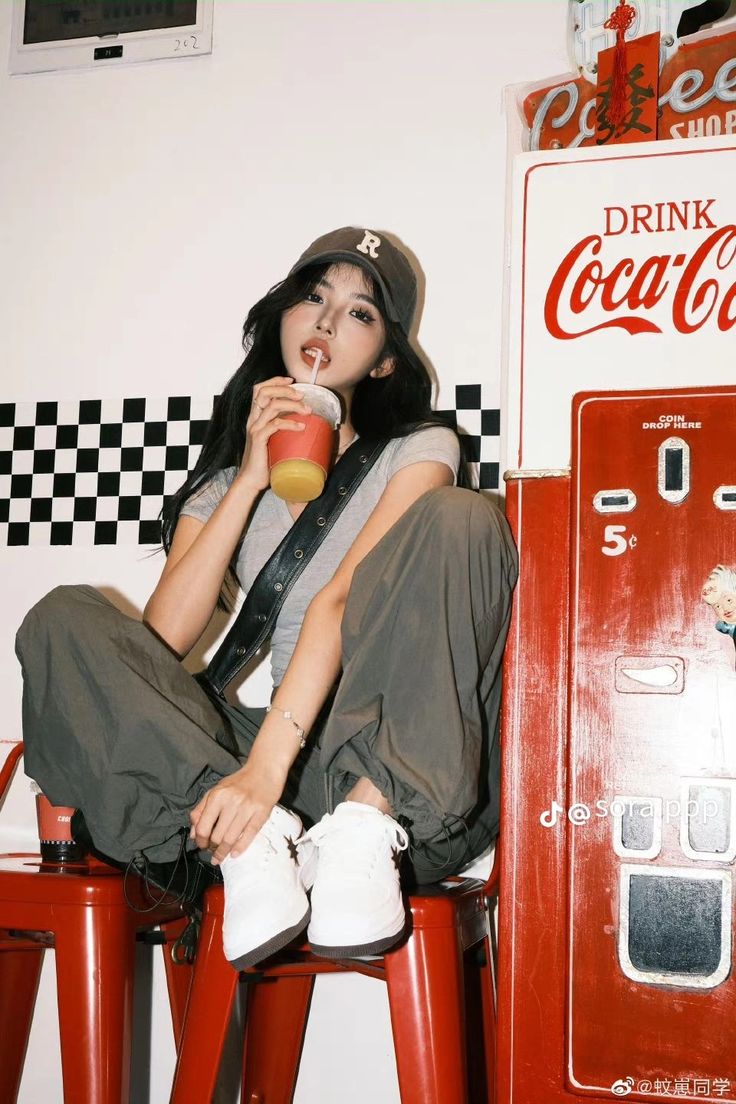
(619, 791)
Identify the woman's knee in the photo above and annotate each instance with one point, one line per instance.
(59, 610)
(465, 533)
(461, 514)
(65, 601)
(454, 504)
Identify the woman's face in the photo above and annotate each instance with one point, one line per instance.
(341, 319)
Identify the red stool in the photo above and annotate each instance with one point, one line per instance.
(80, 909)
(426, 975)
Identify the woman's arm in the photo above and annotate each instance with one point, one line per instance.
(185, 597)
(232, 812)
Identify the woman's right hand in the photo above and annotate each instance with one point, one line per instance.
(272, 399)
(230, 815)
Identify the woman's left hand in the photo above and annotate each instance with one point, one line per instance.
(231, 814)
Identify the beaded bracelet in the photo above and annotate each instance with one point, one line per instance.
(288, 716)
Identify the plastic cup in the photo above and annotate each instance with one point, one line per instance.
(299, 462)
(55, 831)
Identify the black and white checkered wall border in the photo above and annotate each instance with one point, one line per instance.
(480, 428)
(96, 472)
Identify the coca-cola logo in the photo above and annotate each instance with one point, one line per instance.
(597, 287)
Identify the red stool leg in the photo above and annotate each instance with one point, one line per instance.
(20, 971)
(488, 997)
(480, 1013)
(427, 1002)
(178, 977)
(208, 1014)
(95, 965)
(276, 1020)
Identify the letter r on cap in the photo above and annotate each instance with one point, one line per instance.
(369, 245)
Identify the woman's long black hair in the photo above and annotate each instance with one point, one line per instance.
(393, 405)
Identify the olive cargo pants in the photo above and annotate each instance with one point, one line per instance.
(114, 725)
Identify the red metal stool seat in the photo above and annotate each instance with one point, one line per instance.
(82, 911)
(448, 946)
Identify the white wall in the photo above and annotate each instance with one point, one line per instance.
(146, 207)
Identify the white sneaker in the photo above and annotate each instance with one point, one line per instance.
(265, 903)
(357, 907)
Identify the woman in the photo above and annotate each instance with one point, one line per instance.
(386, 653)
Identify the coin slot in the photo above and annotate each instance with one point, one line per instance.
(725, 498)
(619, 501)
(674, 470)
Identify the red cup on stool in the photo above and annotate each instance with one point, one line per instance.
(55, 832)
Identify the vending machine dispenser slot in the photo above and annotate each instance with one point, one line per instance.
(675, 926)
(674, 470)
(637, 826)
(708, 819)
(620, 501)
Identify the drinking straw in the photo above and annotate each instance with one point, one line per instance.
(317, 362)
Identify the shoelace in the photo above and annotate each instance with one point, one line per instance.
(266, 837)
(348, 843)
(268, 840)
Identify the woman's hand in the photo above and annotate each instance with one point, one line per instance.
(271, 400)
(231, 814)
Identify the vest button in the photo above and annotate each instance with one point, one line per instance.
(321, 521)
(241, 650)
(342, 490)
(298, 553)
(364, 459)
(261, 617)
(278, 587)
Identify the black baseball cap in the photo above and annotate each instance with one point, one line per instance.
(387, 264)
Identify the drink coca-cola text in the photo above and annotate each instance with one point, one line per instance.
(697, 288)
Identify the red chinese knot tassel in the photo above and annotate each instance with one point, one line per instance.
(620, 22)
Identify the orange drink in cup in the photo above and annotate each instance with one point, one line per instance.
(299, 462)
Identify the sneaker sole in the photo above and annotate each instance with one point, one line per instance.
(271, 946)
(357, 950)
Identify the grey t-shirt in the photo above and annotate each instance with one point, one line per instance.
(271, 522)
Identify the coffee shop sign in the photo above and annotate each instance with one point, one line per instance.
(697, 81)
